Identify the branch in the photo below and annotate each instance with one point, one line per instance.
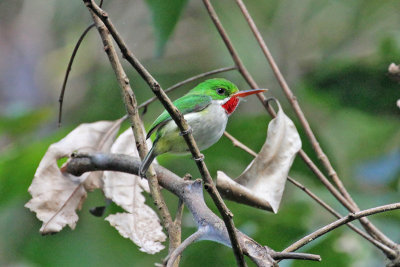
(313, 140)
(350, 217)
(376, 233)
(182, 125)
(136, 124)
(190, 192)
(191, 79)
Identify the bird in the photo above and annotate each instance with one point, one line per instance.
(206, 108)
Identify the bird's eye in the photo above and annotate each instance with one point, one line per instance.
(220, 91)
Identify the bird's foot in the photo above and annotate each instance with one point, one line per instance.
(201, 158)
(189, 130)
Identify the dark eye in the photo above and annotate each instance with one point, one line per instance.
(220, 91)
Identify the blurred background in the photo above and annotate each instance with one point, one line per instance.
(334, 55)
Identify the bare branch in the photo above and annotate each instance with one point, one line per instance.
(182, 125)
(136, 124)
(191, 79)
(350, 217)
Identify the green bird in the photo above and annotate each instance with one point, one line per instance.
(206, 109)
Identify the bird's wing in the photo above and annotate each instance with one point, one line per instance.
(186, 104)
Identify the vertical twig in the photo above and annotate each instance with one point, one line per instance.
(182, 125)
(131, 107)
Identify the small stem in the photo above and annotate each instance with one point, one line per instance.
(69, 67)
(177, 252)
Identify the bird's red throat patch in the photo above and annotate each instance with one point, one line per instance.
(231, 105)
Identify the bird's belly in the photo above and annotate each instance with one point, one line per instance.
(207, 126)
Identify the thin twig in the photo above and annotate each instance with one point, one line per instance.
(178, 251)
(71, 61)
(388, 251)
(136, 124)
(295, 256)
(293, 101)
(350, 217)
(182, 125)
(191, 79)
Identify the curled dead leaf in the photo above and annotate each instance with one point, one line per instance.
(55, 195)
(266, 175)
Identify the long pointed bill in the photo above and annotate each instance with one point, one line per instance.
(249, 92)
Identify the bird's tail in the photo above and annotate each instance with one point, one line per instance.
(147, 161)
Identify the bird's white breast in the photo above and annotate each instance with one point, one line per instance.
(207, 126)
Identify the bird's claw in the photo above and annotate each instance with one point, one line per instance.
(201, 158)
(189, 130)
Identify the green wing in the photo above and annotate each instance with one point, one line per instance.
(186, 104)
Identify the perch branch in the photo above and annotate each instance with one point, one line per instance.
(191, 79)
(182, 125)
(209, 224)
(136, 125)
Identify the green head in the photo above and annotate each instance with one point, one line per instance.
(217, 88)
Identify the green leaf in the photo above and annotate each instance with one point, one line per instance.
(165, 16)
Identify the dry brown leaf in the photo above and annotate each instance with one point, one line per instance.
(266, 175)
(142, 227)
(141, 223)
(57, 196)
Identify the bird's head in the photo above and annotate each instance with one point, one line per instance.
(223, 91)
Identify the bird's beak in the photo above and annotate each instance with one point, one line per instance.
(249, 92)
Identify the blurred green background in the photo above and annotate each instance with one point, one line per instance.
(334, 55)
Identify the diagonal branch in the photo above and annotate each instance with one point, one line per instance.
(136, 124)
(293, 101)
(313, 140)
(182, 125)
(371, 229)
(350, 217)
